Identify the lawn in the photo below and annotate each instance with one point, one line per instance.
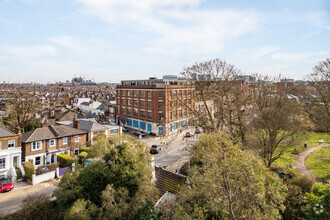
(319, 163)
(311, 139)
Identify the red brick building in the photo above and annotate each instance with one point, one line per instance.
(154, 105)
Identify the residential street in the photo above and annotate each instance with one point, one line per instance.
(14, 204)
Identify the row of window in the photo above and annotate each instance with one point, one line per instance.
(37, 145)
(143, 93)
(142, 103)
(11, 143)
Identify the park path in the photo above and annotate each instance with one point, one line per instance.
(300, 162)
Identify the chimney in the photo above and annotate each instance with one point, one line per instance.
(76, 122)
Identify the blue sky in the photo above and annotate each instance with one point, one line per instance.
(112, 40)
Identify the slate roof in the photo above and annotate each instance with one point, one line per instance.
(50, 132)
(4, 132)
(87, 125)
(168, 181)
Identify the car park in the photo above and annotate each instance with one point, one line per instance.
(155, 149)
(6, 185)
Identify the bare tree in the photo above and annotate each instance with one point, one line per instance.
(318, 94)
(23, 106)
(277, 121)
(221, 99)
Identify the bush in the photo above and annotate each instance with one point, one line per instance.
(283, 173)
(29, 170)
(305, 182)
(318, 205)
(84, 149)
(51, 167)
(65, 160)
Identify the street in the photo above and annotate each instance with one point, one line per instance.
(14, 204)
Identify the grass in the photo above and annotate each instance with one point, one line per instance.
(319, 163)
(311, 139)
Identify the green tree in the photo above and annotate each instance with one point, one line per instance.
(226, 182)
(318, 202)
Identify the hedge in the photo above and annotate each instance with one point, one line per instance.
(29, 170)
(65, 160)
(84, 149)
(51, 167)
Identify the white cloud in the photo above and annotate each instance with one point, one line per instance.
(180, 27)
(29, 52)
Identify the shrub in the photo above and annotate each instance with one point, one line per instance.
(283, 172)
(65, 160)
(29, 170)
(51, 167)
(305, 182)
(84, 149)
(318, 205)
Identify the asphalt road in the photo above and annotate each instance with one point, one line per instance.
(12, 205)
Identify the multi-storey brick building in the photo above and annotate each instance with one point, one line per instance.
(154, 105)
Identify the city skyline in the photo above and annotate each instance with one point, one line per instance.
(110, 41)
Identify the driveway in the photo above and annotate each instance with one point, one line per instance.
(300, 163)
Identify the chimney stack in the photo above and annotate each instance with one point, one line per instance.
(76, 122)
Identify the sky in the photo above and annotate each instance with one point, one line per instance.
(112, 40)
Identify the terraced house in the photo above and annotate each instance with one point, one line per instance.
(42, 145)
(155, 105)
(10, 153)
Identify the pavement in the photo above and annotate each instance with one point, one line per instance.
(300, 162)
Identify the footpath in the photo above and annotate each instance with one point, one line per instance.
(26, 188)
(300, 162)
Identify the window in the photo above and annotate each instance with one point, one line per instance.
(129, 93)
(180, 113)
(160, 105)
(2, 163)
(0, 145)
(189, 92)
(76, 152)
(142, 104)
(129, 102)
(37, 145)
(149, 104)
(180, 92)
(149, 94)
(160, 94)
(123, 111)
(76, 138)
(37, 161)
(185, 112)
(52, 142)
(175, 114)
(175, 103)
(135, 113)
(170, 115)
(123, 101)
(11, 143)
(143, 93)
(149, 116)
(189, 101)
(136, 103)
(136, 93)
(142, 114)
(185, 92)
(129, 111)
(174, 93)
(65, 141)
(180, 102)
(160, 116)
(123, 93)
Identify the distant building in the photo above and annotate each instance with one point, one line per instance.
(154, 105)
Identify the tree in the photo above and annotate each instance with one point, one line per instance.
(276, 121)
(221, 98)
(318, 202)
(226, 182)
(115, 187)
(22, 107)
(318, 94)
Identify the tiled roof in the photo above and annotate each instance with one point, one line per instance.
(4, 132)
(168, 181)
(88, 125)
(50, 132)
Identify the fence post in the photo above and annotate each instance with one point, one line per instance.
(73, 167)
(57, 172)
(33, 179)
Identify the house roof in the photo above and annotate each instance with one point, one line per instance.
(87, 125)
(168, 181)
(4, 132)
(50, 132)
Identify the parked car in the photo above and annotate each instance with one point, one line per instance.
(189, 134)
(6, 185)
(138, 133)
(198, 130)
(155, 149)
(124, 129)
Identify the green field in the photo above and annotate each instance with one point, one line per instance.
(311, 139)
(319, 163)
